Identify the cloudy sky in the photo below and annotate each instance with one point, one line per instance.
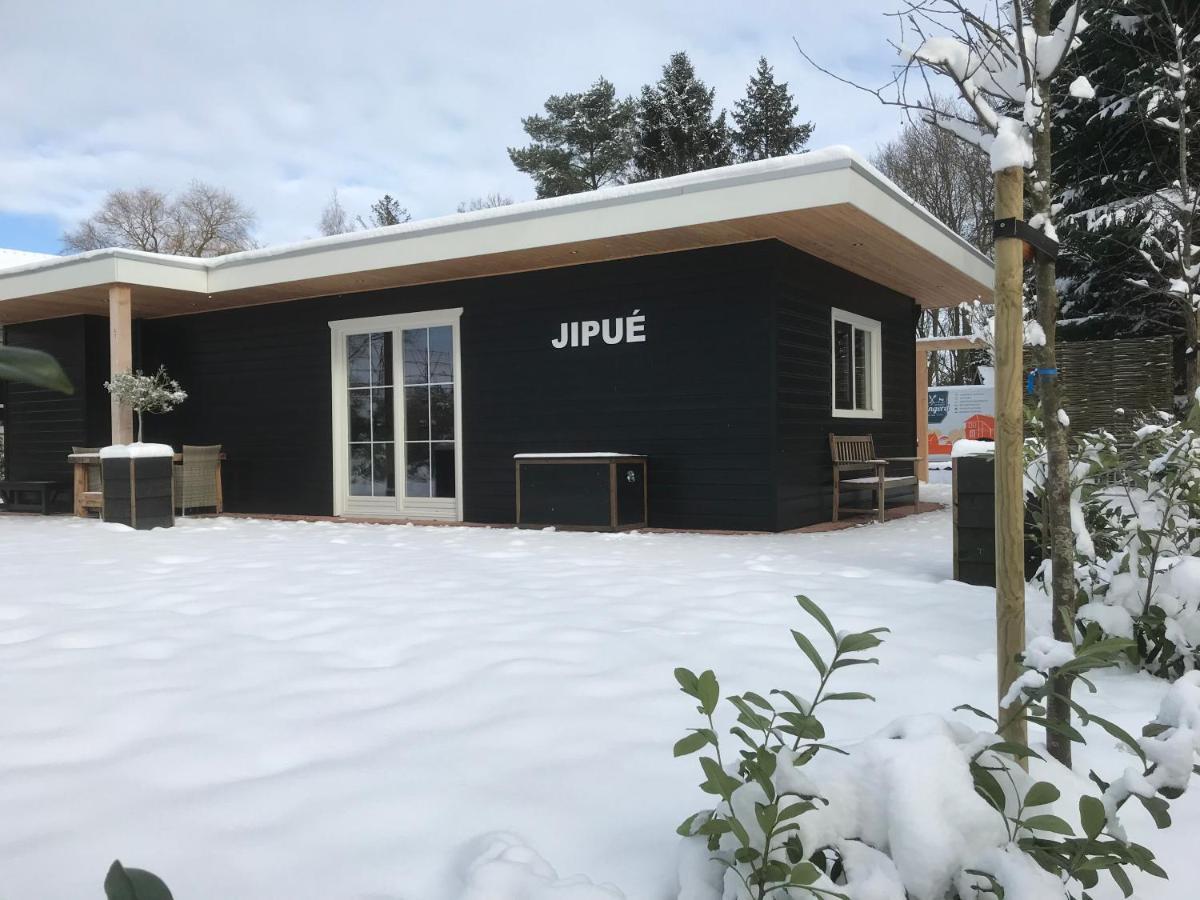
(283, 102)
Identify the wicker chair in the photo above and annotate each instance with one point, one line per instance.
(93, 495)
(196, 479)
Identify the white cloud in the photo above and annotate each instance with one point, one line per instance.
(284, 102)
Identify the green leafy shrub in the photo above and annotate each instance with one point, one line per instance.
(1147, 587)
(134, 884)
(1135, 513)
(35, 367)
(927, 807)
(769, 855)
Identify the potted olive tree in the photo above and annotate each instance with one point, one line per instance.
(138, 477)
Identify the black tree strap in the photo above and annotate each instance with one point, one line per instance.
(1022, 230)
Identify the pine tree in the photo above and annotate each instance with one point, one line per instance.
(386, 211)
(676, 129)
(766, 119)
(1119, 158)
(584, 142)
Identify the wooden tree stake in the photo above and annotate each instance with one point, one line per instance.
(1010, 492)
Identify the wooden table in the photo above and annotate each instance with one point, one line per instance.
(85, 499)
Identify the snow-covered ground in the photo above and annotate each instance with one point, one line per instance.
(340, 712)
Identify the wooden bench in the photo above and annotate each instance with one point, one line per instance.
(46, 493)
(856, 453)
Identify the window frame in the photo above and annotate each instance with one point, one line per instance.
(399, 506)
(874, 329)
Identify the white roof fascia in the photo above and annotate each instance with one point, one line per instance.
(889, 206)
(155, 270)
(100, 267)
(604, 218)
(68, 273)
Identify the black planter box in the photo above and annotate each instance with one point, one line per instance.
(975, 523)
(139, 492)
(600, 492)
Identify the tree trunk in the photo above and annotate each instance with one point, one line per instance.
(1187, 229)
(1057, 512)
(1191, 361)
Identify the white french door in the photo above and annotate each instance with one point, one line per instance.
(397, 416)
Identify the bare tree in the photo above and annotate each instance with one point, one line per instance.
(202, 221)
(210, 221)
(953, 180)
(334, 218)
(490, 201)
(950, 178)
(139, 219)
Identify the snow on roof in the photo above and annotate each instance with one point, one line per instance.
(11, 258)
(621, 209)
(825, 159)
(781, 166)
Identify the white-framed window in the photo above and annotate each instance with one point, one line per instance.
(397, 415)
(857, 366)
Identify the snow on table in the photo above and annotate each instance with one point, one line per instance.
(331, 711)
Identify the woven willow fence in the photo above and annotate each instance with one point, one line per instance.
(1099, 377)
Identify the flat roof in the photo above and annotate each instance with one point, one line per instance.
(10, 257)
(830, 203)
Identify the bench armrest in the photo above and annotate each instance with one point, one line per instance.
(904, 459)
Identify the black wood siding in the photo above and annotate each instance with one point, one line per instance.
(729, 396)
(43, 425)
(805, 292)
(695, 397)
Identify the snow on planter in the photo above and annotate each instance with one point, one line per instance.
(967, 447)
(136, 451)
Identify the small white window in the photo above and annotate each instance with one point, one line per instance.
(857, 376)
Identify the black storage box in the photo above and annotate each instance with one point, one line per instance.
(975, 523)
(139, 491)
(597, 491)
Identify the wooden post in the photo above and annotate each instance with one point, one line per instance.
(80, 487)
(1010, 492)
(922, 412)
(120, 355)
(925, 346)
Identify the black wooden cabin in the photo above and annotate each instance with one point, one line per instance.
(726, 365)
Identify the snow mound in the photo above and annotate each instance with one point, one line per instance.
(336, 710)
(504, 867)
(901, 804)
(1082, 89)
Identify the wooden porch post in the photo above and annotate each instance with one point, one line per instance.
(120, 354)
(925, 346)
(922, 413)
